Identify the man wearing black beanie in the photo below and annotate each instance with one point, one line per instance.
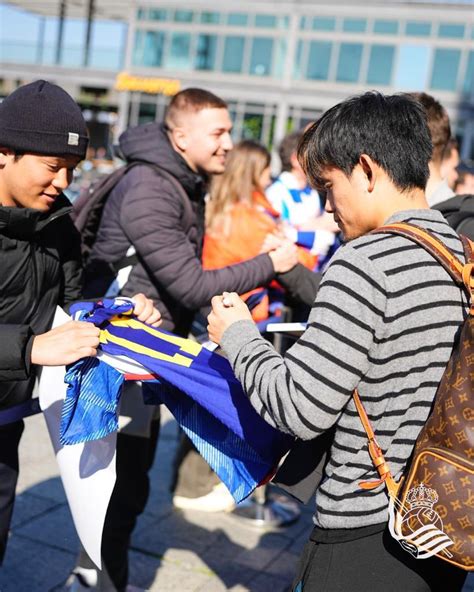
(43, 137)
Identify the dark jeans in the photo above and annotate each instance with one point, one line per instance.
(375, 562)
(192, 476)
(10, 435)
(135, 456)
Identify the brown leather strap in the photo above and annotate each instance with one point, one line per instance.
(435, 247)
(375, 453)
(468, 270)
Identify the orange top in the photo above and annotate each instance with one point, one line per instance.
(249, 226)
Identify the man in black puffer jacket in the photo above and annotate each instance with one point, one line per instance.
(43, 137)
(158, 209)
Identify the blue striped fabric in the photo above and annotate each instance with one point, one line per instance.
(198, 387)
(90, 407)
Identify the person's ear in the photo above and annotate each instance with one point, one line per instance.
(369, 169)
(180, 138)
(5, 154)
(294, 161)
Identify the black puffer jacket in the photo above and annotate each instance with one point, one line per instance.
(40, 268)
(145, 211)
(459, 212)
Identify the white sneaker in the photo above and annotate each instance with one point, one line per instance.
(82, 579)
(217, 500)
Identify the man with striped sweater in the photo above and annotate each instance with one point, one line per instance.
(384, 321)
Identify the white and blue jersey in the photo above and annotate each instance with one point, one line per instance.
(295, 205)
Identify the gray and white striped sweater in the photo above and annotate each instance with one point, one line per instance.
(384, 321)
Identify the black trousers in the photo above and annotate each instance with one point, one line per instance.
(135, 456)
(10, 436)
(192, 476)
(375, 562)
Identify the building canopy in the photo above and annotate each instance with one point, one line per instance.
(120, 9)
(103, 9)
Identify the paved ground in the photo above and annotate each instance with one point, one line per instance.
(171, 551)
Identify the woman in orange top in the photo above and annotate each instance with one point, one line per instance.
(239, 216)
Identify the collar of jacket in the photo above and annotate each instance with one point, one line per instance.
(23, 223)
(150, 143)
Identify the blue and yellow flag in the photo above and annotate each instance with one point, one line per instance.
(198, 386)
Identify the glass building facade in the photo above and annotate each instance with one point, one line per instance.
(333, 49)
(281, 64)
(280, 71)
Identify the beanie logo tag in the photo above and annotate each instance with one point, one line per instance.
(73, 139)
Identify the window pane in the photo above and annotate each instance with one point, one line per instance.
(233, 54)
(158, 15)
(178, 54)
(455, 31)
(350, 55)
(445, 69)
(206, 52)
(146, 113)
(237, 19)
(318, 60)
(265, 20)
(149, 48)
(183, 16)
(354, 25)
(261, 56)
(210, 17)
(142, 14)
(324, 24)
(303, 22)
(380, 64)
(297, 74)
(412, 67)
(138, 48)
(252, 126)
(386, 27)
(468, 86)
(417, 29)
(280, 56)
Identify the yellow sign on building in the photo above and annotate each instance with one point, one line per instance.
(154, 86)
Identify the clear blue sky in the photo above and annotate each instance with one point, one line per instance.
(22, 26)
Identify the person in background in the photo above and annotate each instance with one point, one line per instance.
(450, 163)
(157, 209)
(299, 205)
(437, 189)
(239, 216)
(465, 181)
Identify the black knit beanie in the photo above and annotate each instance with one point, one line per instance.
(43, 119)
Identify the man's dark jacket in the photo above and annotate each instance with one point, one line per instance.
(40, 268)
(145, 210)
(459, 212)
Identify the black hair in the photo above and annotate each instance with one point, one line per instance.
(391, 129)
